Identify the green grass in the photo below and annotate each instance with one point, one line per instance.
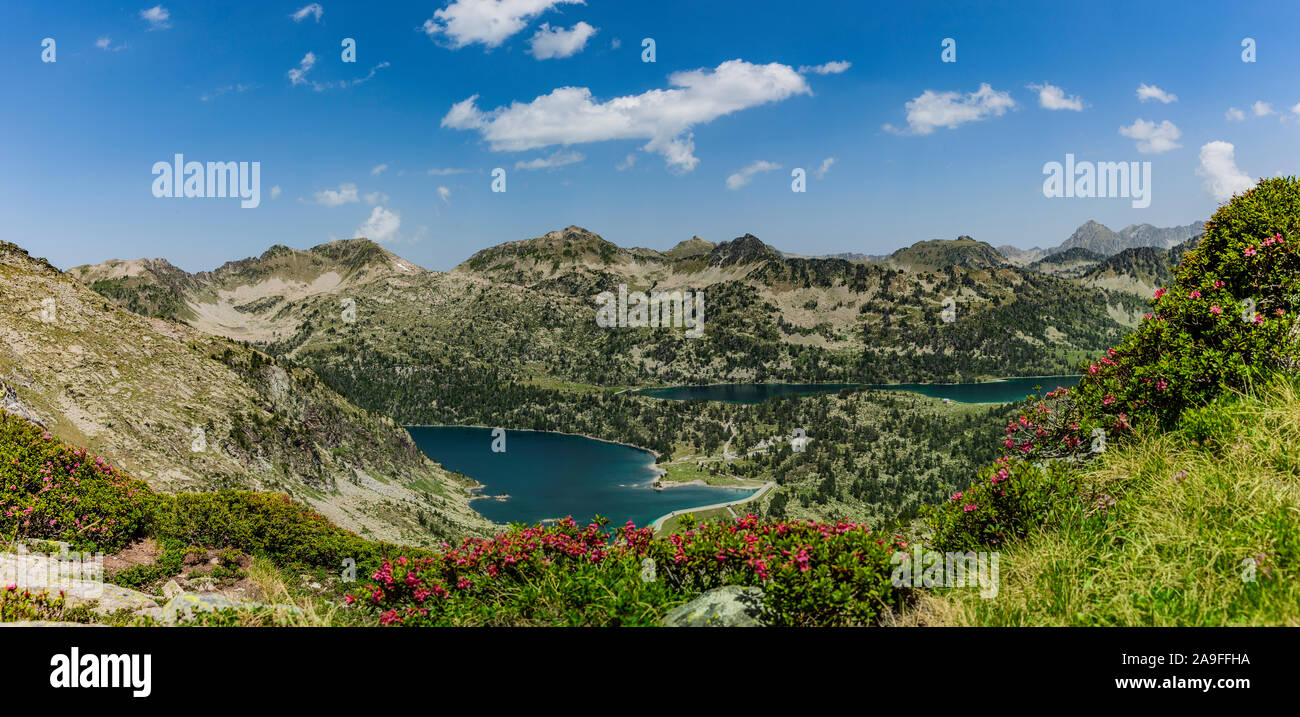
(1205, 530)
(687, 471)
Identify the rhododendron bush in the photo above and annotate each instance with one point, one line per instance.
(811, 574)
(51, 491)
(1227, 322)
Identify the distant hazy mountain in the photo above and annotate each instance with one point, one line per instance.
(1099, 238)
(1140, 270)
(1021, 257)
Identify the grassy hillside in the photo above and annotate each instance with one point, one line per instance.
(1198, 526)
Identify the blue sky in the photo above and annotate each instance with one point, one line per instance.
(919, 151)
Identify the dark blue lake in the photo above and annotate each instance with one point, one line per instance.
(1005, 391)
(553, 475)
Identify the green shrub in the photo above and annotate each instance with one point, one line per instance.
(269, 524)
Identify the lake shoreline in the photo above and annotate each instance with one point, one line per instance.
(1002, 379)
(651, 451)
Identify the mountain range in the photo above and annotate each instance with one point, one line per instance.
(292, 370)
(1100, 239)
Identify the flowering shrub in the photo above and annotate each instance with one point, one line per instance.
(1009, 499)
(811, 574)
(17, 604)
(1228, 320)
(52, 491)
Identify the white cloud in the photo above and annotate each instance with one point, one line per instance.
(1053, 98)
(1262, 109)
(314, 9)
(1219, 169)
(950, 109)
(445, 194)
(824, 168)
(378, 169)
(381, 226)
(444, 171)
(490, 22)
(570, 115)
(557, 159)
(103, 42)
(615, 44)
(157, 17)
(746, 175)
(275, 191)
(627, 163)
(1234, 115)
(548, 42)
(1153, 138)
(1147, 92)
(374, 198)
(831, 68)
(346, 194)
(209, 96)
(298, 75)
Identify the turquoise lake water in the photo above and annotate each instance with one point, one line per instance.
(553, 475)
(1013, 389)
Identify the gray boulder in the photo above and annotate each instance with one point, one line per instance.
(729, 606)
(47, 573)
(186, 605)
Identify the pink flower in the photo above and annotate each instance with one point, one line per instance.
(1160, 292)
(1215, 309)
(1195, 294)
(1250, 251)
(971, 507)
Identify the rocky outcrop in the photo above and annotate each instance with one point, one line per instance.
(729, 606)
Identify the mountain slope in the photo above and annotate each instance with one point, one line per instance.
(185, 410)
